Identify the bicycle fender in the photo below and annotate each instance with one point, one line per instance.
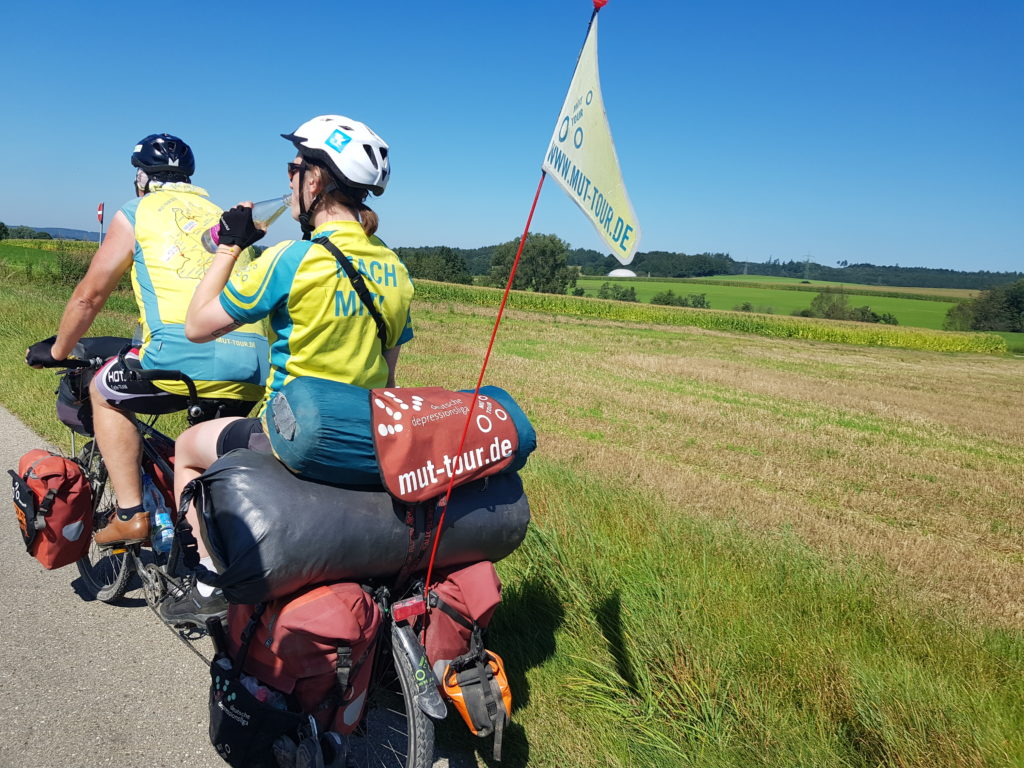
(427, 697)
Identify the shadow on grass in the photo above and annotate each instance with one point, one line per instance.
(609, 618)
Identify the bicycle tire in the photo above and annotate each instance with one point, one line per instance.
(104, 576)
(395, 732)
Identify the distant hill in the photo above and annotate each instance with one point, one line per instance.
(22, 232)
(59, 233)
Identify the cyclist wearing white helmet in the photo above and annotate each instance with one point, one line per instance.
(321, 320)
(156, 237)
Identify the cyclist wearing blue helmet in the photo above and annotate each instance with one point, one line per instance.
(157, 237)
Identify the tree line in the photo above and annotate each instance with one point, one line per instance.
(22, 233)
(998, 309)
(549, 265)
(873, 274)
(479, 263)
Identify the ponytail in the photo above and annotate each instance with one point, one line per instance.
(368, 218)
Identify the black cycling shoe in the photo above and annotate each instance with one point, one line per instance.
(192, 608)
(335, 749)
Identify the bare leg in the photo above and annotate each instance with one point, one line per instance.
(194, 451)
(121, 448)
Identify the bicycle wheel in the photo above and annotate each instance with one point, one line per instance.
(395, 732)
(104, 574)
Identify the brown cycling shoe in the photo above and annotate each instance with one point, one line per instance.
(118, 530)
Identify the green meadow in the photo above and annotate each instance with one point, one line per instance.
(791, 283)
(745, 551)
(909, 311)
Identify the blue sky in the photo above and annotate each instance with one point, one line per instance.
(890, 133)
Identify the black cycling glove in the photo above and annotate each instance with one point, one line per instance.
(39, 354)
(237, 228)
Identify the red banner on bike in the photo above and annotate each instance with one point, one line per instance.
(416, 433)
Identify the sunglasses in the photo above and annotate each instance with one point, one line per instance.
(294, 168)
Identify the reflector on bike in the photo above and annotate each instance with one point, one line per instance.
(406, 609)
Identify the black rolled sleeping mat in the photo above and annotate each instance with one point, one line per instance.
(271, 533)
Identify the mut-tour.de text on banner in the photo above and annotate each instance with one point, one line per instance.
(581, 157)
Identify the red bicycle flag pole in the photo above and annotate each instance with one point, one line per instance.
(581, 156)
(476, 392)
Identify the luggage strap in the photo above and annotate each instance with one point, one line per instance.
(482, 696)
(436, 601)
(183, 559)
(415, 548)
(46, 506)
(220, 640)
(359, 284)
(345, 670)
(481, 692)
(343, 667)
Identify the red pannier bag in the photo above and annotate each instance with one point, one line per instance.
(53, 502)
(317, 647)
(473, 678)
(472, 593)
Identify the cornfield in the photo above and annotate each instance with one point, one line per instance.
(772, 326)
(69, 246)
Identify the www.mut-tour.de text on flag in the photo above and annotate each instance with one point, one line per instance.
(581, 157)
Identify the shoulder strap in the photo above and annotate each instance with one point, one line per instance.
(359, 284)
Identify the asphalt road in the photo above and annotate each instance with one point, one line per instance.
(84, 684)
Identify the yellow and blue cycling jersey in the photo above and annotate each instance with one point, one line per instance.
(318, 325)
(168, 263)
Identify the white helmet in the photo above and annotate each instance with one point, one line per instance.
(351, 152)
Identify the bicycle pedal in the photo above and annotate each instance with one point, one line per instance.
(190, 632)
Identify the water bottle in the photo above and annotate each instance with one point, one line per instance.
(264, 213)
(162, 529)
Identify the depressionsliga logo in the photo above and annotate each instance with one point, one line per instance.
(431, 463)
(396, 408)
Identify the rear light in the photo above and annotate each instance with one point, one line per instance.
(405, 609)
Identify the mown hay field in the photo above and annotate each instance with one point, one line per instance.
(745, 550)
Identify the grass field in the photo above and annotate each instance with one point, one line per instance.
(15, 253)
(955, 294)
(909, 312)
(745, 551)
(1014, 341)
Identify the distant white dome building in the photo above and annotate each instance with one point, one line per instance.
(622, 273)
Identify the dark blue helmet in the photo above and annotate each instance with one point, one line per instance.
(161, 153)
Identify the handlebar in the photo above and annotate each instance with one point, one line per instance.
(138, 374)
(71, 362)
